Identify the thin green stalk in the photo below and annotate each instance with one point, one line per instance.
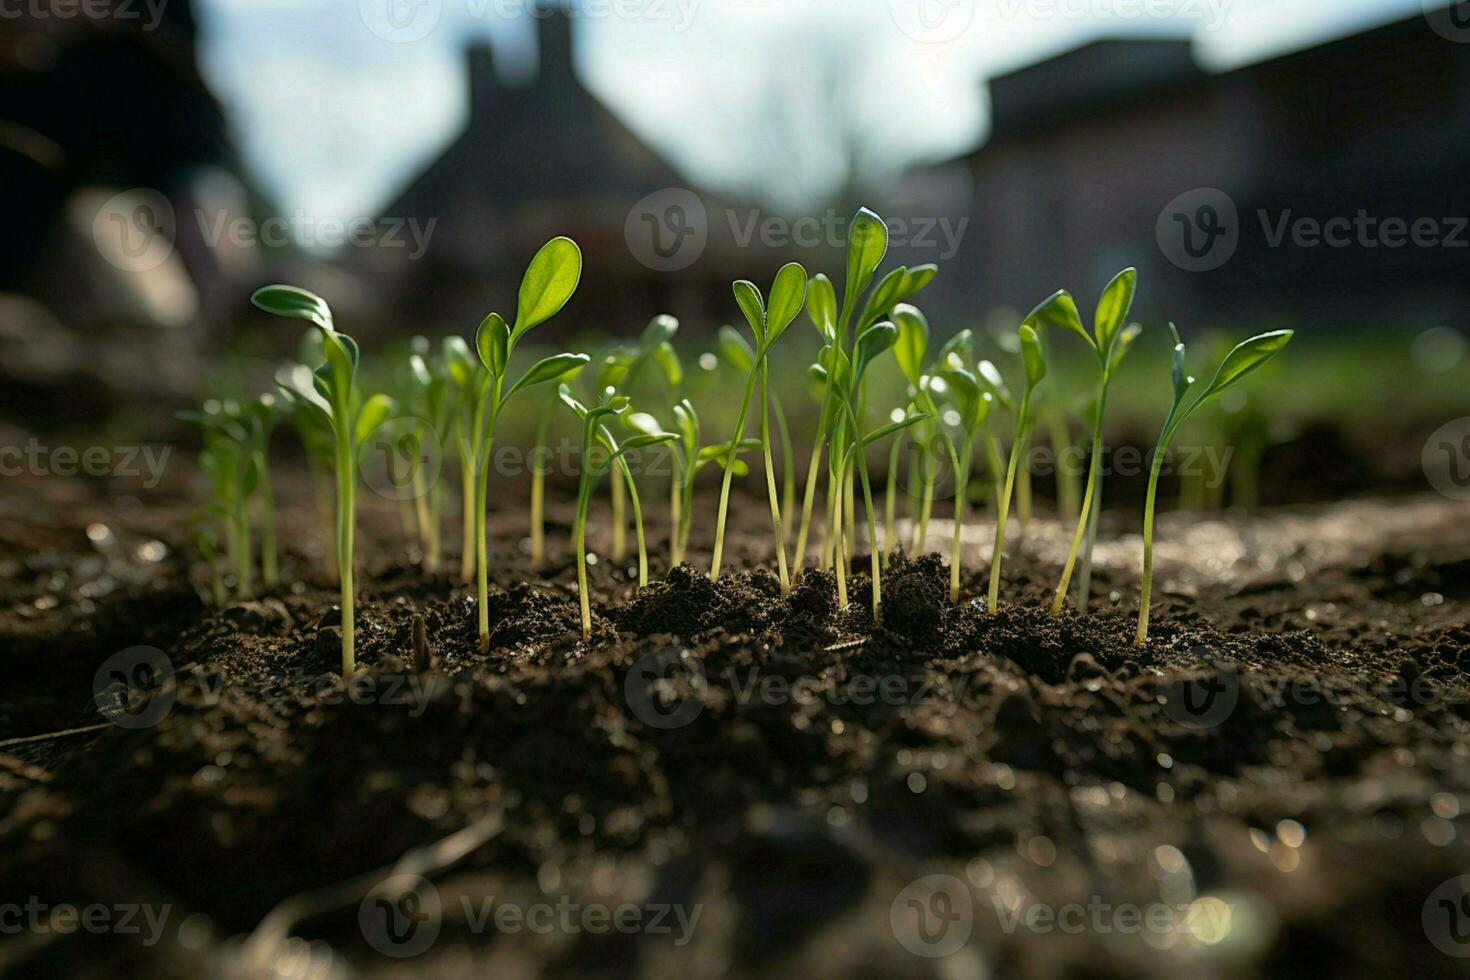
(890, 501)
(637, 521)
(270, 574)
(1084, 574)
(788, 466)
(346, 525)
(482, 503)
(1017, 448)
(1141, 636)
(1094, 470)
(538, 496)
(676, 510)
(839, 540)
(779, 537)
(926, 504)
(962, 476)
(584, 495)
(619, 522)
(467, 516)
(798, 557)
(729, 465)
(244, 588)
(875, 571)
(421, 515)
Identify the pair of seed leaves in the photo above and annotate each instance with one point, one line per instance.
(656, 344)
(548, 284)
(609, 404)
(973, 392)
(331, 391)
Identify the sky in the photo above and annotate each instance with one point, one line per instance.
(336, 104)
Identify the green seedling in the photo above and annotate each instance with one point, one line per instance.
(548, 284)
(645, 424)
(230, 464)
(867, 244)
(696, 457)
(463, 368)
(593, 431)
(1034, 362)
(1245, 358)
(208, 544)
(768, 323)
(539, 455)
(352, 419)
(946, 375)
(1110, 341)
(430, 394)
(622, 369)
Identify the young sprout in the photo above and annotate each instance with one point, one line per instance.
(1110, 342)
(867, 244)
(947, 375)
(260, 417)
(463, 370)
(621, 369)
(788, 290)
(208, 544)
(334, 394)
(228, 461)
(1245, 358)
(549, 282)
(640, 422)
(870, 344)
(432, 398)
(694, 458)
(539, 455)
(1034, 362)
(594, 430)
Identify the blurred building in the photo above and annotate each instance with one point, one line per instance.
(535, 161)
(1092, 150)
(110, 143)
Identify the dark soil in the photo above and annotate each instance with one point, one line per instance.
(814, 793)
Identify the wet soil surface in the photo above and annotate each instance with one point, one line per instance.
(726, 781)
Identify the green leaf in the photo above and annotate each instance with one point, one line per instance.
(688, 422)
(961, 345)
(374, 412)
(492, 342)
(642, 422)
(1032, 355)
(614, 368)
(871, 343)
(748, 296)
(883, 298)
(667, 359)
(570, 400)
(867, 243)
(1182, 381)
(547, 369)
(660, 330)
(1113, 307)
(735, 351)
(341, 367)
(1122, 344)
(885, 431)
(912, 343)
(1058, 310)
(459, 361)
(918, 278)
(821, 306)
(1245, 358)
(549, 282)
(644, 439)
(788, 292)
(990, 378)
(965, 392)
(292, 301)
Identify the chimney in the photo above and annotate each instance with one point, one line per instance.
(554, 28)
(484, 83)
